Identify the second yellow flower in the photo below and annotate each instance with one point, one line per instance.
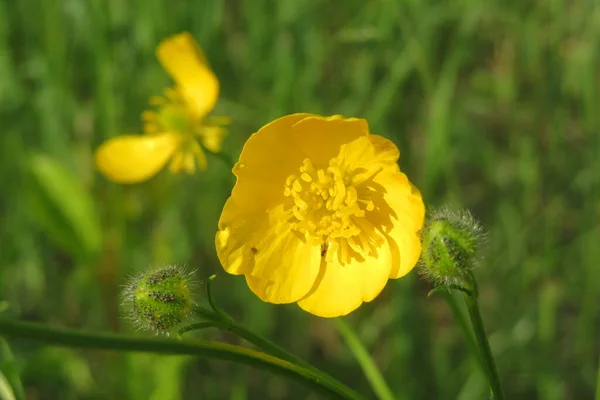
(177, 129)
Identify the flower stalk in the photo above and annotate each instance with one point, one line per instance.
(370, 369)
(598, 382)
(224, 322)
(219, 319)
(451, 241)
(472, 304)
(106, 341)
(464, 323)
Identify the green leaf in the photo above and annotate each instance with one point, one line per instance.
(62, 207)
(6, 392)
(10, 381)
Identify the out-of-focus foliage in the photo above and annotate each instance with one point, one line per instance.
(493, 104)
(61, 208)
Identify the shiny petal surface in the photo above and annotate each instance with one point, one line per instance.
(405, 208)
(341, 289)
(278, 149)
(285, 268)
(320, 214)
(181, 57)
(386, 150)
(320, 138)
(135, 158)
(259, 188)
(267, 159)
(279, 265)
(237, 237)
(408, 215)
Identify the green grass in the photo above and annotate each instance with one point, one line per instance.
(494, 106)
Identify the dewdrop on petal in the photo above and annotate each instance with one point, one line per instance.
(450, 242)
(161, 299)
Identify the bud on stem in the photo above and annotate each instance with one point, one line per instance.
(159, 300)
(451, 240)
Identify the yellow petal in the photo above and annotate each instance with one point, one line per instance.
(237, 235)
(199, 156)
(278, 150)
(341, 289)
(188, 158)
(183, 60)
(386, 150)
(285, 268)
(261, 172)
(212, 137)
(400, 211)
(280, 266)
(234, 256)
(320, 138)
(267, 159)
(135, 158)
(182, 161)
(407, 213)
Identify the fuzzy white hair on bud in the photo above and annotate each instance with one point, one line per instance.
(451, 240)
(159, 300)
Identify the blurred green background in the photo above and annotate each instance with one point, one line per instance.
(494, 105)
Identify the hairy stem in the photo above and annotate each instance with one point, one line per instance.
(484, 346)
(463, 322)
(225, 323)
(72, 338)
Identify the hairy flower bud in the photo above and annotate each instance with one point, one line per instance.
(450, 242)
(159, 300)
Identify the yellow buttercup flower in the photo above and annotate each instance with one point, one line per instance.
(177, 129)
(320, 215)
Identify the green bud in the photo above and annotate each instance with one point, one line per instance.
(160, 300)
(450, 242)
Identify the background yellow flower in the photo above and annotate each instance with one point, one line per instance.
(174, 129)
(320, 215)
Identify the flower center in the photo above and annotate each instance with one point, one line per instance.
(329, 208)
(172, 115)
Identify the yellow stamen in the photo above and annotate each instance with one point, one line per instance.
(328, 206)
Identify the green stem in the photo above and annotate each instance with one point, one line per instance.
(368, 366)
(219, 313)
(463, 322)
(195, 327)
(9, 370)
(226, 323)
(484, 345)
(71, 338)
(220, 320)
(598, 382)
